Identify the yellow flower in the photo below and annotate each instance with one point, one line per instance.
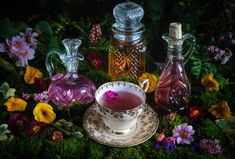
(31, 73)
(43, 112)
(210, 83)
(152, 81)
(221, 110)
(15, 104)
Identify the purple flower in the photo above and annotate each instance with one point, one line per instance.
(21, 48)
(26, 96)
(41, 97)
(220, 55)
(30, 36)
(17, 122)
(110, 95)
(36, 128)
(168, 143)
(24, 55)
(183, 133)
(228, 39)
(211, 146)
(16, 44)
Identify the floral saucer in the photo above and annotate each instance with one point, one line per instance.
(146, 126)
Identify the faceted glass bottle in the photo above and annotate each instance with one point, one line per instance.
(71, 87)
(127, 50)
(173, 89)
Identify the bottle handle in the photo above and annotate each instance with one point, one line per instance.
(49, 64)
(189, 52)
(144, 84)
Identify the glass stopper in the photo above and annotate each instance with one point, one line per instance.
(128, 15)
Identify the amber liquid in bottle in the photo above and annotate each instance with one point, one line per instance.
(126, 58)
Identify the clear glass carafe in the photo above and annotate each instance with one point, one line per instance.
(173, 89)
(71, 87)
(127, 50)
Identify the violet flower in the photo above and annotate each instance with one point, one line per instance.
(27, 96)
(211, 146)
(24, 55)
(220, 55)
(21, 48)
(41, 97)
(36, 128)
(17, 122)
(168, 143)
(183, 133)
(30, 37)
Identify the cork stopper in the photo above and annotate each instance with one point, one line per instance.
(175, 30)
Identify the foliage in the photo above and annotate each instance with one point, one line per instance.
(206, 20)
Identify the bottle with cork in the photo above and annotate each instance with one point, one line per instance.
(173, 89)
(127, 49)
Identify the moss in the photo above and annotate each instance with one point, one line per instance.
(96, 151)
(208, 129)
(66, 148)
(126, 153)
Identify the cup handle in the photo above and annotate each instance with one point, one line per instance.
(49, 64)
(144, 84)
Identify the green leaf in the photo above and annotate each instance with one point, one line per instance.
(10, 93)
(4, 87)
(43, 27)
(6, 90)
(9, 29)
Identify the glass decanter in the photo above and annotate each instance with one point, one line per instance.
(127, 50)
(71, 87)
(173, 89)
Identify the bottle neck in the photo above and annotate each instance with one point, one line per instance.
(72, 66)
(175, 51)
(127, 34)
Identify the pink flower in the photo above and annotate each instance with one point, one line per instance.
(170, 117)
(196, 113)
(160, 137)
(110, 95)
(30, 37)
(183, 133)
(94, 60)
(57, 136)
(36, 128)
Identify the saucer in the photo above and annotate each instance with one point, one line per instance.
(146, 126)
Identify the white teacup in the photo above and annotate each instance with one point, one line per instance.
(118, 118)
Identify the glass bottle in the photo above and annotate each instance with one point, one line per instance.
(173, 89)
(71, 87)
(127, 50)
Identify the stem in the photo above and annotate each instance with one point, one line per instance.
(69, 114)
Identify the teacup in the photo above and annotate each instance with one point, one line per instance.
(120, 103)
